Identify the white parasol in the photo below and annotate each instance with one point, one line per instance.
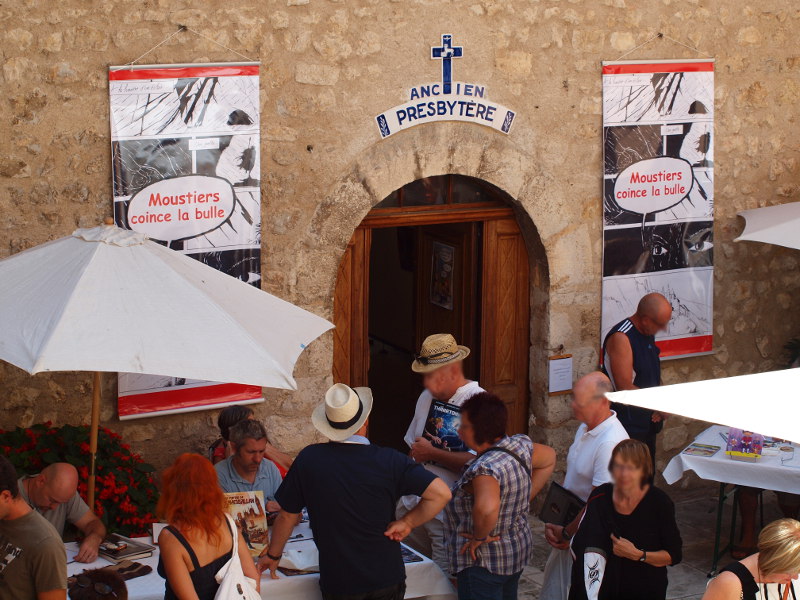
(766, 403)
(779, 224)
(108, 299)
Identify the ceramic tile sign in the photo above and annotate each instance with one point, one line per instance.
(446, 100)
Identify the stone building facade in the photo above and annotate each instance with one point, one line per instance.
(328, 67)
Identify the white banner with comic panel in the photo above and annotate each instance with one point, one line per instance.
(185, 148)
(658, 196)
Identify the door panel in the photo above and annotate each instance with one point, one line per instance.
(505, 323)
(351, 313)
(447, 290)
(490, 301)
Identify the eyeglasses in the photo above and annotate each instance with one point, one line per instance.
(101, 588)
(426, 359)
(623, 467)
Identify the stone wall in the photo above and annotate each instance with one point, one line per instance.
(328, 68)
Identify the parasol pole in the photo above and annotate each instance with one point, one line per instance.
(93, 430)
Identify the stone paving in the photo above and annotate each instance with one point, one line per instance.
(695, 511)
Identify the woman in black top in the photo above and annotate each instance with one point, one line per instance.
(199, 539)
(628, 535)
(776, 562)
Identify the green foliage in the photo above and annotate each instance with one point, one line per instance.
(125, 492)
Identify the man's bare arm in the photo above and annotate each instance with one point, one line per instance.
(621, 355)
(94, 533)
(423, 451)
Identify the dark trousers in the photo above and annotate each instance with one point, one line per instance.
(396, 592)
(477, 583)
(650, 441)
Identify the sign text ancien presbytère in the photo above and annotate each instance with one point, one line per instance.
(446, 101)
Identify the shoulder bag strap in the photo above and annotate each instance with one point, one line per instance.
(521, 462)
(234, 535)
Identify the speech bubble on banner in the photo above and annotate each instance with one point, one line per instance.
(180, 208)
(653, 184)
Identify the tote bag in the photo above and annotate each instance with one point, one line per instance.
(233, 584)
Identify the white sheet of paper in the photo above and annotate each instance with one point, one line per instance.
(560, 374)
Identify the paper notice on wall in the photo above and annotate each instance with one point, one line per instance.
(185, 154)
(560, 374)
(658, 200)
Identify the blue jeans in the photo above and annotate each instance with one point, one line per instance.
(477, 583)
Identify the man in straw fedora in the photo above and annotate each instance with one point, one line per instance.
(440, 362)
(350, 488)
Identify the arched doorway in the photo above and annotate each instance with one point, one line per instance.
(440, 254)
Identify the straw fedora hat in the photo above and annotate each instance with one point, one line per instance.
(438, 350)
(343, 412)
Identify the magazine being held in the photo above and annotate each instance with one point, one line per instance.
(441, 427)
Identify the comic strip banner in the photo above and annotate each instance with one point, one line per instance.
(185, 158)
(658, 196)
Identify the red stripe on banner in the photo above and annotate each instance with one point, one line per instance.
(179, 72)
(196, 397)
(687, 345)
(658, 68)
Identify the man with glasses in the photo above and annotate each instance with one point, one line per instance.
(631, 360)
(33, 562)
(432, 434)
(587, 467)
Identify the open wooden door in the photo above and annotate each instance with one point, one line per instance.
(351, 313)
(505, 337)
(448, 285)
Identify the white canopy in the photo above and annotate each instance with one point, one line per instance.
(778, 224)
(108, 299)
(767, 403)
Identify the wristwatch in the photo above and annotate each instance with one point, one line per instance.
(643, 557)
(269, 556)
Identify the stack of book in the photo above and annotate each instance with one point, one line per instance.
(117, 548)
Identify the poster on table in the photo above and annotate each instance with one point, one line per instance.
(658, 196)
(185, 155)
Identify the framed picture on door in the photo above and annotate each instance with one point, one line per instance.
(442, 275)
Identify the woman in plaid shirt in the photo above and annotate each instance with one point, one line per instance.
(487, 536)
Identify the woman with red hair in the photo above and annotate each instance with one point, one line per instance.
(198, 541)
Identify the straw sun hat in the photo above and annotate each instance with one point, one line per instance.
(343, 412)
(438, 350)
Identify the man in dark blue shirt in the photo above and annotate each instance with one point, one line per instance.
(350, 489)
(631, 360)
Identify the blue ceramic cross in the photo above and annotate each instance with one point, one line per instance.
(447, 53)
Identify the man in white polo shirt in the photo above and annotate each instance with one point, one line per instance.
(432, 435)
(587, 468)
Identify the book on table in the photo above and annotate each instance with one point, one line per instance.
(441, 427)
(560, 506)
(696, 449)
(117, 548)
(250, 515)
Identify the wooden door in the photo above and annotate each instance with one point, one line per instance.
(505, 330)
(447, 286)
(351, 313)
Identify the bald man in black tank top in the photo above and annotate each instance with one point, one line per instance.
(631, 360)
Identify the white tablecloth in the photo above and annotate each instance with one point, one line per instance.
(423, 580)
(768, 473)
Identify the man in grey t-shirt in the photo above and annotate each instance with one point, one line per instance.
(33, 562)
(53, 493)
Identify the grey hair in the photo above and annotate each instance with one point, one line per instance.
(247, 429)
